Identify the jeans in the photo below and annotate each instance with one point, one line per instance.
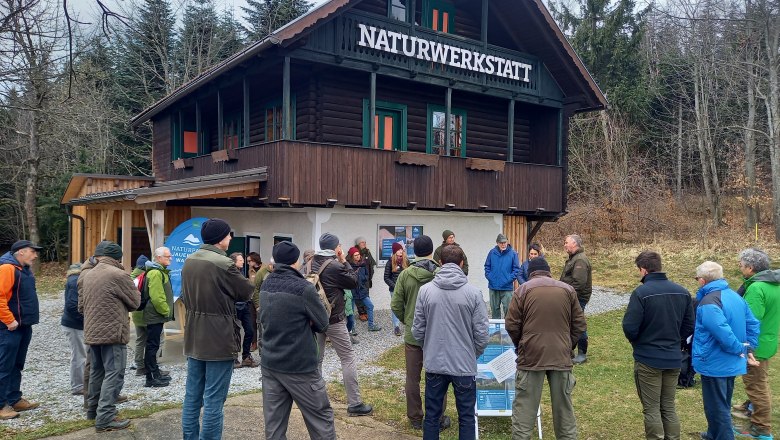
(245, 316)
(465, 388)
(716, 393)
(106, 379)
(308, 392)
(582, 344)
(350, 323)
(78, 357)
(13, 352)
(396, 322)
(153, 332)
(528, 393)
(369, 310)
(207, 387)
(499, 298)
(656, 389)
(757, 389)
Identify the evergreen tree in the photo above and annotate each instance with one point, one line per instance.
(198, 47)
(265, 16)
(229, 34)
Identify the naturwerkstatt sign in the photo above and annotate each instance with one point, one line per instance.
(415, 47)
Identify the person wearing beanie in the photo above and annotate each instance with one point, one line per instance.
(449, 238)
(360, 293)
(407, 286)
(370, 262)
(72, 324)
(398, 262)
(106, 295)
(244, 316)
(291, 314)
(545, 321)
(211, 285)
(577, 274)
(138, 322)
(502, 269)
(336, 275)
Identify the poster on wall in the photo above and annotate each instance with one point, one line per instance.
(496, 373)
(183, 241)
(389, 234)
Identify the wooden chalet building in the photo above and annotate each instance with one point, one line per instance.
(441, 114)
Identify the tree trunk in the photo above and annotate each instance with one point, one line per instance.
(751, 213)
(678, 187)
(31, 185)
(773, 118)
(700, 133)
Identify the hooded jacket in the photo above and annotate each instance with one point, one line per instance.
(334, 279)
(211, 284)
(577, 274)
(71, 317)
(18, 296)
(107, 294)
(502, 268)
(762, 294)
(407, 286)
(724, 323)
(159, 309)
(544, 321)
(450, 319)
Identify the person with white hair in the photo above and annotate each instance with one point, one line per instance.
(725, 335)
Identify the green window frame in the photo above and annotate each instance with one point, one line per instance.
(233, 130)
(386, 109)
(435, 143)
(397, 8)
(272, 117)
(178, 129)
(439, 15)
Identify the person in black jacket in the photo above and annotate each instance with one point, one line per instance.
(72, 323)
(335, 276)
(290, 314)
(658, 320)
(393, 268)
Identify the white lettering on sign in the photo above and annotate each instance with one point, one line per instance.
(414, 47)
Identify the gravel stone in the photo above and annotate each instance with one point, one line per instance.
(46, 377)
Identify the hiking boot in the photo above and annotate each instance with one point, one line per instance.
(250, 363)
(361, 409)
(114, 425)
(752, 431)
(416, 424)
(397, 331)
(237, 363)
(156, 383)
(742, 415)
(121, 399)
(140, 371)
(8, 413)
(580, 358)
(445, 423)
(24, 405)
(374, 328)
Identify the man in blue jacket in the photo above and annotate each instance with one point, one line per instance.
(726, 332)
(659, 318)
(502, 268)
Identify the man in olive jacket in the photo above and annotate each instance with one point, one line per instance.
(108, 296)
(211, 285)
(158, 311)
(544, 321)
(577, 274)
(762, 294)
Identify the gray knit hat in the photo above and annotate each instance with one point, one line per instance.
(329, 241)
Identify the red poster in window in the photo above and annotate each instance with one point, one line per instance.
(191, 142)
(388, 140)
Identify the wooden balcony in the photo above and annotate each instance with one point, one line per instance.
(308, 174)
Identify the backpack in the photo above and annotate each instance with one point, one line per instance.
(142, 286)
(314, 278)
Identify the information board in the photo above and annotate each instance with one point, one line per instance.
(495, 396)
(183, 241)
(389, 234)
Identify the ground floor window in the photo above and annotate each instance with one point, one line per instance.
(437, 131)
(390, 126)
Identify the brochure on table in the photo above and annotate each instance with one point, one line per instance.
(496, 373)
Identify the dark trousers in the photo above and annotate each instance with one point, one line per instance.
(107, 377)
(245, 316)
(308, 392)
(465, 388)
(13, 353)
(656, 389)
(582, 344)
(716, 393)
(153, 333)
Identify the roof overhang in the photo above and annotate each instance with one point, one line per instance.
(77, 182)
(237, 184)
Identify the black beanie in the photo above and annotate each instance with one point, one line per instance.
(140, 263)
(329, 241)
(286, 253)
(538, 263)
(423, 246)
(214, 230)
(108, 249)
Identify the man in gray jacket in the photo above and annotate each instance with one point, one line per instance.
(450, 318)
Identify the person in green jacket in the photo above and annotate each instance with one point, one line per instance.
(762, 294)
(577, 274)
(448, 237)
(158, 311)
(419, 272)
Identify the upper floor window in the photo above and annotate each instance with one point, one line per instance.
(389, 126)
(399, 9)
(439, 15)
(274, 121)
(184, 138)
(437, 131)
(232, 130)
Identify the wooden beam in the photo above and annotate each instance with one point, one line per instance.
(198, 127)
(510, 142)
(149, 223)
(372, 112)
(246, 113)
(559, 140)
(158, 228)
(106, 222)
(484, 28)
(127, 239)
(193, 193)
(447, 116)
(286, 125)
(220, 121)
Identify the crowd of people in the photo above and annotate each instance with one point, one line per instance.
(289, 308)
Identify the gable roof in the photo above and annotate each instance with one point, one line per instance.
(556, 53)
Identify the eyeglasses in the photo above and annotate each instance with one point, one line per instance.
(698, 278)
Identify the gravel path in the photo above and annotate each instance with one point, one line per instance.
(46, 376)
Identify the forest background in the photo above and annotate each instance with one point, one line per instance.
(688, 150)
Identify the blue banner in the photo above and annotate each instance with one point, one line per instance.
(183, 241)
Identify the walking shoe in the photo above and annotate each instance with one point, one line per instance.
(114, 425)
(353, 332)
(752, 431)
(140, 371)
(580, 358)
(121, 399)
(237, 363)
(24, 405)
(8, 413)
(416, 424)
(743, 415)
(250, 362)
(397, 331)
(363, 317)
(361, 409)
(354, 340)
(156, 383)
(445, 423)
(374, 328)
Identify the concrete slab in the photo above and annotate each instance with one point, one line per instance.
(243, 420)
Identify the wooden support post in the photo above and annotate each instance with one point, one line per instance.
(447, 122)
(198, 127)
(127, 239)
(106, 223)
(158, 227)
(484, 27)
(286, 108)
(510, 141)
(220, 122)
(372, 113)
(246, 113)
(559, 141)
(149, 223)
